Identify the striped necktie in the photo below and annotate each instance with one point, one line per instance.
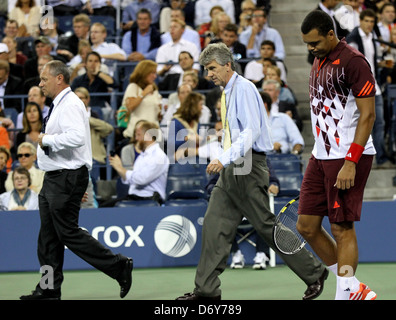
(224, 121)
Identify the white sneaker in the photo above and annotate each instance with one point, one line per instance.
(260, 261)
(238, 261)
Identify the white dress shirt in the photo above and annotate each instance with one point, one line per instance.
(67, 135)
(369, 53)
(149, 174)
(109, 48)
(170, 52)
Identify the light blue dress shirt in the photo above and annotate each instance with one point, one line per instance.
(285, 131)
(143, 45)
(266, 33)
(247, 119)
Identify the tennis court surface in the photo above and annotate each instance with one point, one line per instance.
(278, 283)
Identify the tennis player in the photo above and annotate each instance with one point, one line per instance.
(342, 91)
(242, 189)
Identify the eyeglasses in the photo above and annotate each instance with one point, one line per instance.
(26, 155)
(258, 16)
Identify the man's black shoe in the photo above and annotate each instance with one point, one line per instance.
(314, 290)
(38, 295)
(125, 279)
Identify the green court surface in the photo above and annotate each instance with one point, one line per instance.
(278, 283)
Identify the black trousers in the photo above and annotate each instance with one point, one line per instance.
(59, 203)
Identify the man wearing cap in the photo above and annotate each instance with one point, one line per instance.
(42, 46)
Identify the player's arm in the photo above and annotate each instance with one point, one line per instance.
(366, 107)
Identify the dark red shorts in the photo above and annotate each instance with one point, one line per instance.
(319, 197)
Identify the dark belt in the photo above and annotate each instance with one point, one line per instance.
(261, 153)
(54, 172)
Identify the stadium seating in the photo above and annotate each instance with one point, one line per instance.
(187, 181)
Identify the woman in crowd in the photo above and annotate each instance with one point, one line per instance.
(183, 132)
(141, 98)
(21, 197)
(32, 122)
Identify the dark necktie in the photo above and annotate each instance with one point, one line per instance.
(45, 121)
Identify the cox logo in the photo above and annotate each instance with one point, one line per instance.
(115, 236)
(175, 236)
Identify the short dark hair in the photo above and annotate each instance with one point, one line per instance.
(24, 171)
(231, 27)
(93, 53)
(144, 11)
(367, 13)
(318, 20)
(268, 43)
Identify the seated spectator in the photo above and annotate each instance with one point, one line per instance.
(35, 81)
(16, 70)
(21, 196)
(183, 130)
(42, 47)
(28, 16)
(131, 151)
(23, 43)
(165, 14)
(272, 87)
(143, 39)
(172, 81)
(141, 97)
(14, 56)
(168, 53)
(254, 36)
(26, 154)
(286, 94)
(95, 81)
(204, 28)
(245, 18)
(81, 26)
(130, 12)
(147, 179)
(285, 134)
(31, 124)
(229, 36)
(219, 22)
(5, 156)
(254, 69)
(35, 95)
(77, 64)
(109, 51)
(100, 8)
(9, 85)
(189, 33)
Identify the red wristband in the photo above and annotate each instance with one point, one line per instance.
(354, 153)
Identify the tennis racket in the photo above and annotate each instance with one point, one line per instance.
(285, 235)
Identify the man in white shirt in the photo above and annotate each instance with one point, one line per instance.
(189, 33)
(169, 52)
(34, 95)
(109, 51)
(148, 178)
(65, 154)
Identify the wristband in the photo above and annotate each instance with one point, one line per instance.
(354, 153)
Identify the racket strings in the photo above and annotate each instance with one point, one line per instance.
(288, 239)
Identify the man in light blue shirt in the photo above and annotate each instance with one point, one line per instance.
(129, 14)
(254, 35)
(143, 40)
(285, 133)
(242, 189)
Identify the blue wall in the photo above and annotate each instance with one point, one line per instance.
(161, 237)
